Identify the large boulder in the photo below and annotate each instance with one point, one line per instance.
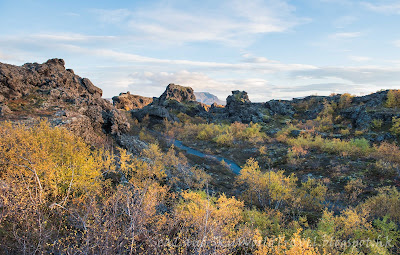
(178, 93)
(156, 114)
(239, 108)
(127, 101)
(237, 98)
(175, 99)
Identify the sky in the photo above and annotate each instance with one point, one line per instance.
(273, 49)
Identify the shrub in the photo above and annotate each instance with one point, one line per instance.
(295, 153)
(393, 98)
(325, 117)
(354, 188)
(312, 194)
(384, 169)
(359, 132)
(376, 123)
(225, 140)
(57, 161)
(222, 134)
(356, 147)
(345, 100)
(395, 126)
(345, 131)
(388, 152)
(271, 188)
(386, 202)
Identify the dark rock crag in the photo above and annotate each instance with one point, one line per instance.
(178, 93)
(239, 108)
(176, 98)
(49, 90)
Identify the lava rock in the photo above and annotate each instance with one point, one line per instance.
(4, 110)
(127, 101)
(279, 107)
(178, 93)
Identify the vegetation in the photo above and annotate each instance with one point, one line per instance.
(61, 195)
(354, 147)
(395, 126)
(393, 98)
(345, 100)
(224, 135)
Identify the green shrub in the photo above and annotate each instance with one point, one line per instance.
(377, 123)
(356, 147)
(395, 126)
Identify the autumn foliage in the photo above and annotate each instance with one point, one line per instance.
(58, 195)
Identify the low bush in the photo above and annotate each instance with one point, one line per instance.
(393, 98)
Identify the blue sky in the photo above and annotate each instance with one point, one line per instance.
(273, 49)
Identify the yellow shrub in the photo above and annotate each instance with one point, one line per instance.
(54, 160)
(225, 140)
(393, 98)
(345, 131)
(265, 189)
(345, 100)
(395, 126)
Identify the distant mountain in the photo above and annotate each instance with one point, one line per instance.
(208, 98)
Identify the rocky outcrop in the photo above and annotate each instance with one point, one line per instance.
(46, 89)
(176, 98)
(127, 101)
(239, 108)
(156, 114)
(371, 100)
(360, 118)
(178, 93)
(237, 98)
(132, 143)
(280, 107)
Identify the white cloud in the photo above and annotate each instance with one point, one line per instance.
(386, 8)
(149, 82)
(397, 43)
(69, 37)
(249, 58)
(366, 75)
(346, 35)
(259, 89)
(264, 65)
(359, 58)
(233, 22)
(9, 57)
